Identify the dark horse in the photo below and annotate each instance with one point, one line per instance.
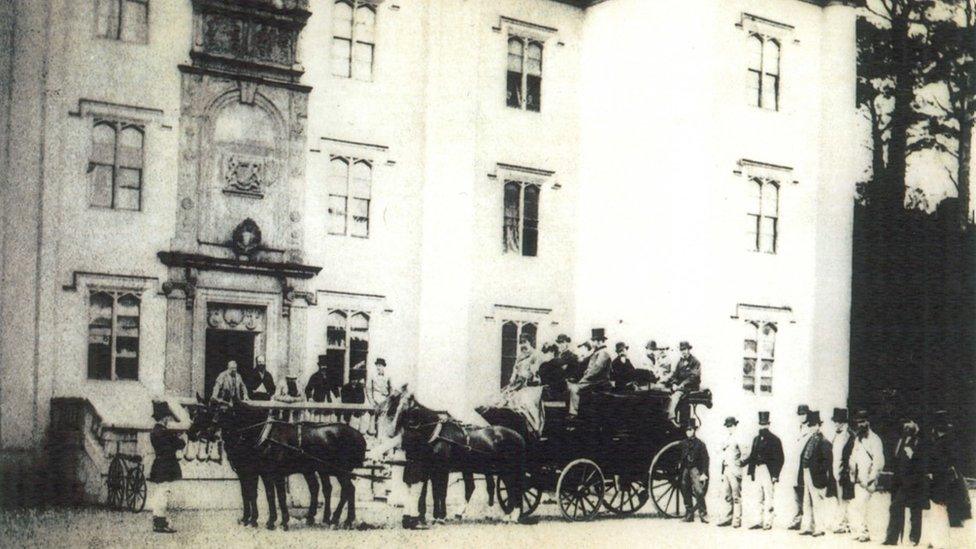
(272, 450)
(451, 446)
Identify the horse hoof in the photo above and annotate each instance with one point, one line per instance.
(310, 520)
(253, 524)
(270, 526)
(284, 527)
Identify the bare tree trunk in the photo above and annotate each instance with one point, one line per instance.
(965, 161)
(901, 118)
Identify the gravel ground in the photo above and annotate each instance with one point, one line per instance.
(103, 528)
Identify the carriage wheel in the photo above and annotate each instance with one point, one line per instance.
(580, 490)
(665, 481)
(531, 496)
(115, 482)
(625, 495)
(136, 493)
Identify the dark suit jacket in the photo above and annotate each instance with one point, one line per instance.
(909, 481)
(319, 389)
(766, 450)
(258, 380)
(694, 455)
(687, 374)
(597, 370)
(820, 465)
(621, 371)
(165, 443)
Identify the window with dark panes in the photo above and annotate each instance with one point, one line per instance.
(350, 182)
(123, 20)
(764, 63)
(113, 335)
(523, 84)
(353, 39)
(115, 165)
(347, 345)
(512, 332)
(520, 224)
(762, 216)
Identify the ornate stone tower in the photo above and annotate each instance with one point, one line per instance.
(237, 279)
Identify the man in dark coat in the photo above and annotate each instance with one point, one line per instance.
(764, 464)
(817, 474)
(260, 386)
(165, 468)
(686, 378)
(319, 387)
(842, 446)
(621, 369)
(554, 373)
(947, 489)
(801, 439)
(693, 472)
(909, 485)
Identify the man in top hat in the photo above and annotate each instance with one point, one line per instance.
(165, 468)
(843, 444)
(817, 473)
(229, 387)
(765, 462)
(732, 475)
(621, 369)
(909, 485)
(656, 362)
(379, 386)
(948, 492)
(597, 374)
(866, 463)
(262, 386)
(801, 438)
(693, 472)
(686, 378)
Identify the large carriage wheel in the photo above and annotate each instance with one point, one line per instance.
(136, 490)
(665, 481)
(625, 494)
(115, 482)
(531, 496)
(580, 490)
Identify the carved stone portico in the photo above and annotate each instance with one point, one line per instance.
(239, 243)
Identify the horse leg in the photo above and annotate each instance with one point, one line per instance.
(348, 495)
(313, 497)
(279, 484)
(490, 486)
(252, 497)
(422, 502)
(246, 503)
(439, 485)
(326, 496)
(468, 492)
(269, 493)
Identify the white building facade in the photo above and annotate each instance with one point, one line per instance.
(191, 181)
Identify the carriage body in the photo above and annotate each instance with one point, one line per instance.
(619, 452)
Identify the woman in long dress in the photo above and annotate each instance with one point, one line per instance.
(523, 393)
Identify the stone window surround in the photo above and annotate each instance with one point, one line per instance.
(779, 315)
(783, 34)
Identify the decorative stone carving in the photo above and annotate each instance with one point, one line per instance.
(247, 174)
(235, 317)
(246, 238)
(182, 289)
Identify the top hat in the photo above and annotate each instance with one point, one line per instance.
(684, 346)
(802, 410)
(562, 338)
(941, 419)
(692, 423)
(322, 360)
(861, 415)
(840, 415)
(161, 410)
(381, 362)
(730, 421)
(598, 334)
(813, 417)
(620, 346)
(763, 418)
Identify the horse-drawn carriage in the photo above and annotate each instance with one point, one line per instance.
(621, 451)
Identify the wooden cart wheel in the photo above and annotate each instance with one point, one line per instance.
(625, 494)
(531, 496)
(665, 482)
(115, 482)
(136, 492)
(580, 490)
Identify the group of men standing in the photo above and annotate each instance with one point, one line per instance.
(845, 469)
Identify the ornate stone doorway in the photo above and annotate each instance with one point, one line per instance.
(234, 332)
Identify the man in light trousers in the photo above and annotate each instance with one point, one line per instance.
(732, 475)
(801, 439)
(843, 444)
(818, 477)
(765, 462)
(867, 461)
